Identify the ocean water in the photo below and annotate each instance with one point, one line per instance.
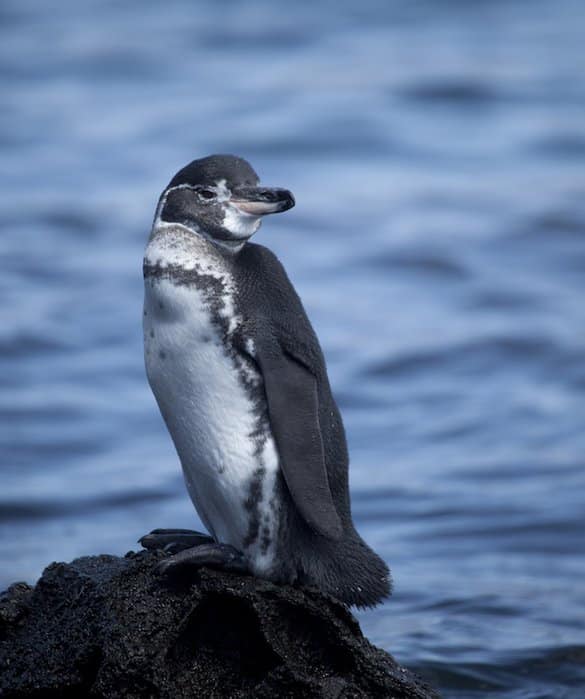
(437, 154)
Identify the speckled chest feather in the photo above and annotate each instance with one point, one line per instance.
(209, 392)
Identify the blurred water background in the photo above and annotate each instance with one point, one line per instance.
(437, 154)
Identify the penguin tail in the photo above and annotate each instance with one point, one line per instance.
(347, 569)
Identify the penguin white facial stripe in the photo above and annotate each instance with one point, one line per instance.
(223, 193)
(157, 217)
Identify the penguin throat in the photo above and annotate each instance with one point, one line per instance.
(227, 244)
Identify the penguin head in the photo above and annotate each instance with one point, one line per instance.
(219, 197)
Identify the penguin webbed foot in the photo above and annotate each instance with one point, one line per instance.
(212, 555)
(173, 540)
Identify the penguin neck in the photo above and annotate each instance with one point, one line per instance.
(177, 246)
(180, 245)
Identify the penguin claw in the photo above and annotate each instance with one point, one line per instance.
(210, 555)
(173, 540)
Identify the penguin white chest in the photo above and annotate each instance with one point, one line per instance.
(211, 401)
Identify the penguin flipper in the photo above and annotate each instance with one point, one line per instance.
(293, 408)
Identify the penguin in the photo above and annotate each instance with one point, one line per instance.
(240, 380)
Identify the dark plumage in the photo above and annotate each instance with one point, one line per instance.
(336, 560)
(236, 171)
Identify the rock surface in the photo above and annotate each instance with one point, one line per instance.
(104, 626)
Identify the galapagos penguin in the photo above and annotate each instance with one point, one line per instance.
(241, 383)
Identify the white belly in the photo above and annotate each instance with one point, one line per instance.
(212, 420)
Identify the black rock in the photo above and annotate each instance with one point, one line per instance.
(104, 626)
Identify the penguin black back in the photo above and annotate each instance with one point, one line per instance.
(344, 566)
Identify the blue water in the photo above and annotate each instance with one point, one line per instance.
(437, 153)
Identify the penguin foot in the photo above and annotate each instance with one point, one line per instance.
(212, 555)
(173, 540)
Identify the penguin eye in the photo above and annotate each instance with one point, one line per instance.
(207, 193)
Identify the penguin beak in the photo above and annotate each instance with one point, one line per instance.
(260, 201)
